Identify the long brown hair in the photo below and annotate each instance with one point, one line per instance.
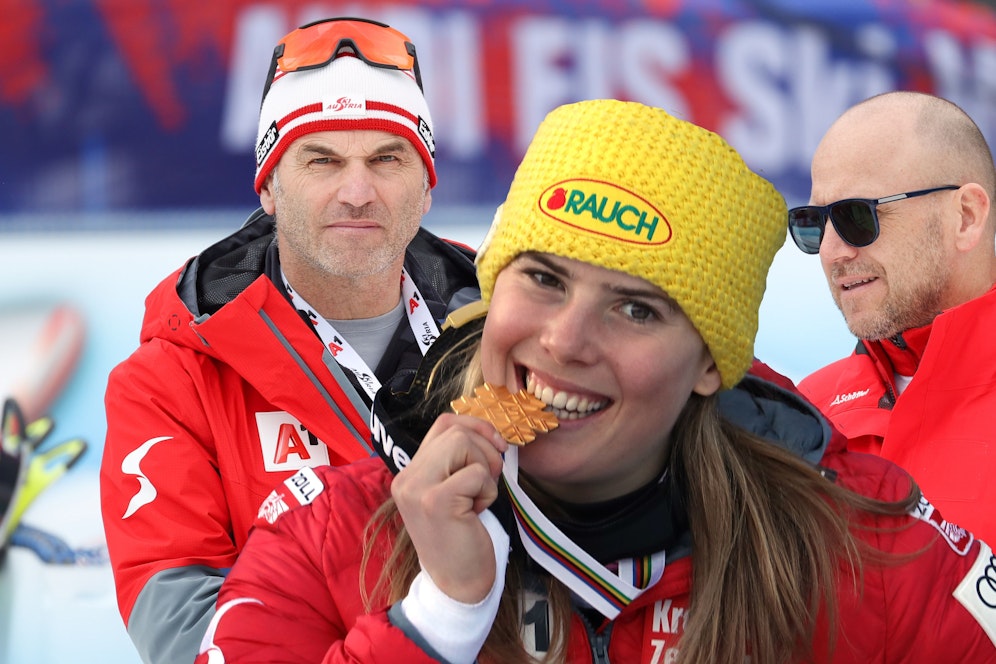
(772, 538)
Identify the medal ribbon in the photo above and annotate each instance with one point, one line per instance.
(419, 318)
(604, 590)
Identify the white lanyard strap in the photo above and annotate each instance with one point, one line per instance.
(419, 318)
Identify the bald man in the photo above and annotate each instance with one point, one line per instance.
(901, 215)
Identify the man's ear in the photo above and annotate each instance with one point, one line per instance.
(266, 198)
(428, 202)
(973, 209)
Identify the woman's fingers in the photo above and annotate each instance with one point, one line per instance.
(452, 478)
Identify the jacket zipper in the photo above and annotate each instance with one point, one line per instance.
(887, 400)
(600, 649)
(599, 643)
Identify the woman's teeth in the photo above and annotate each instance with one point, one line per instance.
(564, 405)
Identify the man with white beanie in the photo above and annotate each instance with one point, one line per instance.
(259, 357)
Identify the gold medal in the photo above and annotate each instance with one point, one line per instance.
(518, 417)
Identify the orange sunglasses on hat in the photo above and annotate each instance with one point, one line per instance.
(316, 44)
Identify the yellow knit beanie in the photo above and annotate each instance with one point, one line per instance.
(630, 188)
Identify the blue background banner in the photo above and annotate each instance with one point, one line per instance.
(152, 104)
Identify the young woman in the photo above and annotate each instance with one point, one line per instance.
(678, 508)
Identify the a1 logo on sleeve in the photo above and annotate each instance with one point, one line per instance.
(286, 445)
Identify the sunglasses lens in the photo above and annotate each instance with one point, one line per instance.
(855, 222)
(316, 45)
(806, 227)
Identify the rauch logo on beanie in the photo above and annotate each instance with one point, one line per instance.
(605, 208)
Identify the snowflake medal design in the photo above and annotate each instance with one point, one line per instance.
(518, 417)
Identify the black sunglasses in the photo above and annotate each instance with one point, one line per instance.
(854, 219)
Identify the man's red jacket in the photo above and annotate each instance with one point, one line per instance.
(230, 392)
(942, 428)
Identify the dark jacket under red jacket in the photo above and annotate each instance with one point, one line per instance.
(942, 428)
(294, 594)
(229, 392)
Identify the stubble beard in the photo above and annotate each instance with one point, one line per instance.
(899, 313)
(914, 298)
(345, 260)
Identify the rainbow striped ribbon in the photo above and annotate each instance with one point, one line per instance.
(604, 590)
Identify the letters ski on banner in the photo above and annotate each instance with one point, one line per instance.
(133, 104)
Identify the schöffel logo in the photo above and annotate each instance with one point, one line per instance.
(604, 208)
(850, 396)
(266, 143)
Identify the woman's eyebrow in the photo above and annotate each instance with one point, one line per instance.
(648, 292)
(547, 261)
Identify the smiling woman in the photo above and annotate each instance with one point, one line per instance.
(688, 499)
(571, 331)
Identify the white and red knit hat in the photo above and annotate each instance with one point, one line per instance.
(345, 94)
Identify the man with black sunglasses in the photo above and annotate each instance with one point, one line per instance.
(902, 217)
(260, 357)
